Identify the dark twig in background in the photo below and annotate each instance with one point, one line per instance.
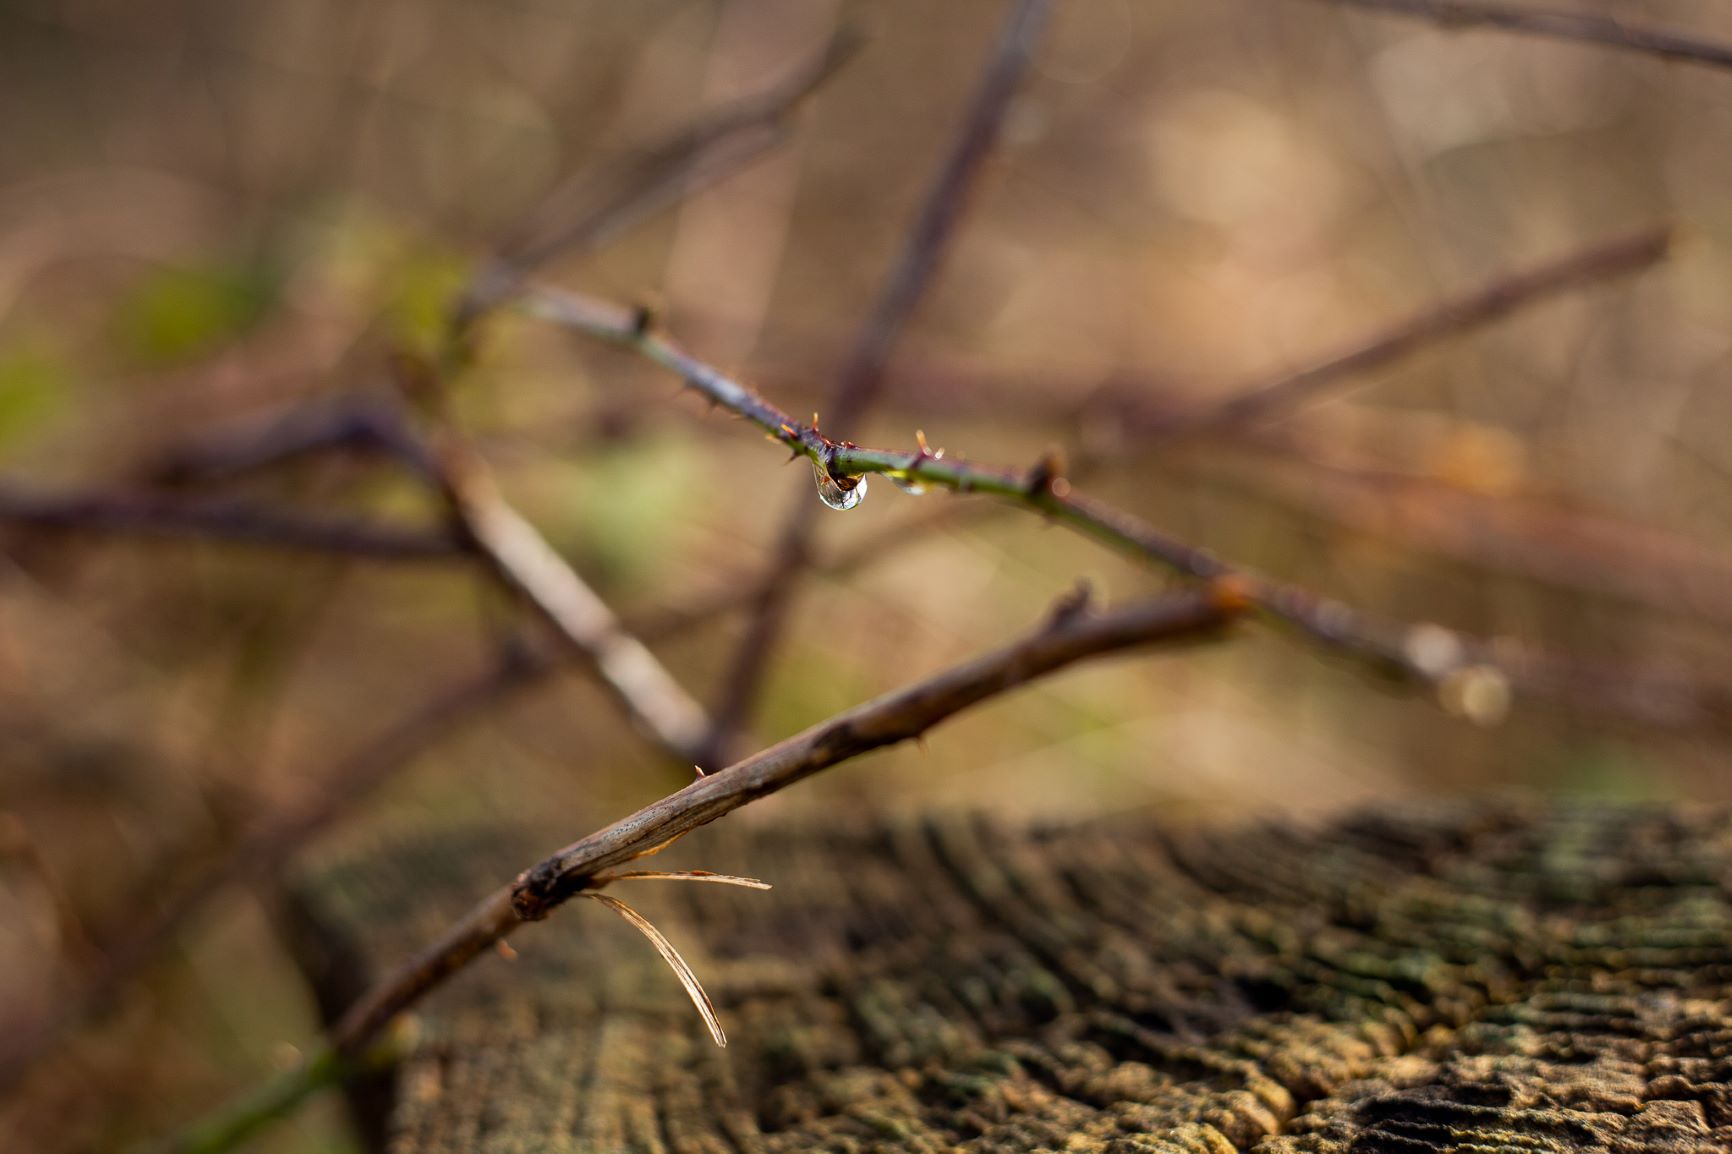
(1553, 23)
(260, 853)
(237, 522)
(611, 200)
(1500, 298)
(862, 375)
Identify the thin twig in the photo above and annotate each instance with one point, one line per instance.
(862, 375)
(237, 522)
(353, 421)
(684, 876)
(1609, 31)
(664, 173)
(1136, 425)
(1460, 314)
(1041, 489)
(1426, 654)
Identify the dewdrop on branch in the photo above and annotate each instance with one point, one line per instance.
(844, 493)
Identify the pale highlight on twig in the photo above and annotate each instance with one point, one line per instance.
(694, 988)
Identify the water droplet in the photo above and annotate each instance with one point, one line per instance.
(912, 488)
(843, 494)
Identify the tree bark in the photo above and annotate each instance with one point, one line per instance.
(1401, 982)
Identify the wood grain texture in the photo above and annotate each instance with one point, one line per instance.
(1470, 979)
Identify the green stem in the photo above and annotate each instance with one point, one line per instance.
(229, 1125)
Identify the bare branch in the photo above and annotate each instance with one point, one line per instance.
(1070, 635)
(861, 378)
(664, 173)
(1609, 31)
(233, 521)
(351, 421)
(1041, 489)
(1140, 426)
(1461, 314)
(1426, 654)
(896, 717)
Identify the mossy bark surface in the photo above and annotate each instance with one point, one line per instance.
(1474, 979)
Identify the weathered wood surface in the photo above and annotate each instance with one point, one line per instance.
(1472, 980)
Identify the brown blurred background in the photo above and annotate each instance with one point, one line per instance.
(211, 211)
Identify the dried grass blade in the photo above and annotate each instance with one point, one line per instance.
(685, 876)
(694, 988)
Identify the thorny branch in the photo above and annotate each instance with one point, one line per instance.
(1426, 654)
(1136, 425)
(862, 375)
(1553, 23)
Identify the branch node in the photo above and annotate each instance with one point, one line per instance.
(1072, 605)
(1232, 594)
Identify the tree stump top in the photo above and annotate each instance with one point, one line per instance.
(1476, 979)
